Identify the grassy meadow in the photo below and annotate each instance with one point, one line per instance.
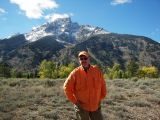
(35, 99)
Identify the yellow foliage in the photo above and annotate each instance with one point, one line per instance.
(64, 71)
(148, 71)
(47, 69)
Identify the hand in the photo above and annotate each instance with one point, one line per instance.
(77, 104)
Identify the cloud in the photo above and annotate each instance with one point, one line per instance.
(2, 11)
(54, 16)
(118, 2)
(35, 8)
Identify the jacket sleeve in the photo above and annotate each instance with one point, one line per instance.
(103, 88)
(69, 88)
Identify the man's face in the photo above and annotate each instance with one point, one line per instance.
(84, 61)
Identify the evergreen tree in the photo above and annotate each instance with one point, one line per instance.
(131, 69)
(5, 70)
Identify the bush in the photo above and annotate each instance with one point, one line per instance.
(138, 103)
(50, 83)
(151, 72)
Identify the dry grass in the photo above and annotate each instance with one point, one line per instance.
(35, 99)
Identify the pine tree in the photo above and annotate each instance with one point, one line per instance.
(131, 69)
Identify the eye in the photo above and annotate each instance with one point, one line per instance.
(83, 58)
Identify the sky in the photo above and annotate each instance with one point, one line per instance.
(136, 17)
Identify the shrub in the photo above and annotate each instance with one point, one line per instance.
(151, 72)
(50, 83)
(138, 103)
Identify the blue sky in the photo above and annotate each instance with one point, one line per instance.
(137, 17)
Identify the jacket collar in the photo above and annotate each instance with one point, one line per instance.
(82, 68)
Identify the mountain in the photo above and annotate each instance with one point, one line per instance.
(64, 30)
(107, 49)
(30, 55)
(8, 45)
(62, 39)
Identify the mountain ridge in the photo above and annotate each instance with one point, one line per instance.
(61, 40)
(64, 27)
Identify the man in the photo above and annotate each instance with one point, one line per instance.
(85, 88)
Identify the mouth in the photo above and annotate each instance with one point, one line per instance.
(83, 62)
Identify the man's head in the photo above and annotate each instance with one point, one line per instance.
(84, 58)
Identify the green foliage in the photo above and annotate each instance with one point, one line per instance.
(47, 69)
(115, 72)
(4, 70)
(131, 69)
(64, 71)
(23, 74)
(15, 73)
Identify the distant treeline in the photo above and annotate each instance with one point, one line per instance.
(48, 69)
(10, 72)
(132, 69)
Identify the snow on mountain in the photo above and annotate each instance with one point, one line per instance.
(63, 27)
(36, 34)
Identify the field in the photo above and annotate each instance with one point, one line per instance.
(35, 99)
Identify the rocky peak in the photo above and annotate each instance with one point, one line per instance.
(64, 29)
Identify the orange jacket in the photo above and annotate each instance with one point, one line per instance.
(86, 88)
